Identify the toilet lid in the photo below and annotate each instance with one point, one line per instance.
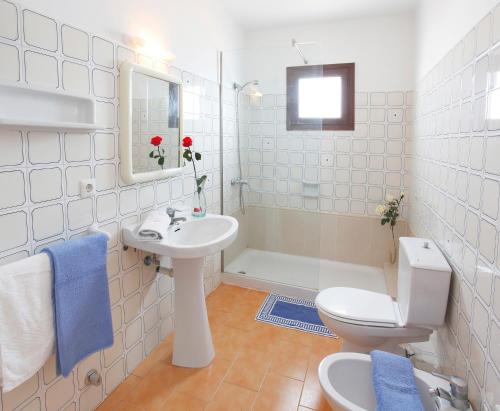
(357, 304)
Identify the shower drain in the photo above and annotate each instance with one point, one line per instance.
(242, 272)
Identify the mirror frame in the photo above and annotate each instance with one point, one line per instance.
(127, 71)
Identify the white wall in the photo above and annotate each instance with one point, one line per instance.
(441, 24)
(193, 29)
(381, 47)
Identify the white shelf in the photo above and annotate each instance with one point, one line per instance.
(22, 107)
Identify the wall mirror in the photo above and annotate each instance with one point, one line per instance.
(150, 107)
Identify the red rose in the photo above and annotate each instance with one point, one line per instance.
(187, 142)
(156, 140)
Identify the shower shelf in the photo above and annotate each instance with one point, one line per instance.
(23, 107)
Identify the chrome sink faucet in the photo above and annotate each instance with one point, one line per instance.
(173, 219)
(457, 396)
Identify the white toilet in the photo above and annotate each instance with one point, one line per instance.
(367, 320)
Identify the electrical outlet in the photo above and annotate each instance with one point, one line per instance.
(87, 187)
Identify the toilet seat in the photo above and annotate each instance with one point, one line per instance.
(357, 306)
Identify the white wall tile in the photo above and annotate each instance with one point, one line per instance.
(80, 213)
(106, 207)
(105, 175)
(75, 77)
(43, 147)
(90, 398)
(102, 52)
(45, 184)
(134, 357)
(12, 189)
(128, 201)
(146, 196)
(104, 146)
(114, 376)
(11, 148)
(59, 393)
(8, 20)
(48, 221)
(115, 351)
(105, 114)
(41, 69)
(103, 83)
(132, 307)
(16, 224)
(77, 147)
(10, 67)
(75, 43)
(40, 31)
(483, 37)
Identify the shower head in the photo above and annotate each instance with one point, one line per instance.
(239, 87)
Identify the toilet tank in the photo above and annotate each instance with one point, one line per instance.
(423, 282)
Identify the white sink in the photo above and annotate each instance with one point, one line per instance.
(197, 237)
(188, 243)
(346, 380)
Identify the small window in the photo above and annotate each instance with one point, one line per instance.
(320, 97)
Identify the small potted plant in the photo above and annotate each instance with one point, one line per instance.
(389, 213)
(157, 152)
(199, 200)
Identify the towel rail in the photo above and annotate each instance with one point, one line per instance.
(94, 229)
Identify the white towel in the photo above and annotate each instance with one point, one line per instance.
(154, 227)
(27, 333)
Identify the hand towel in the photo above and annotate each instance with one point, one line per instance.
(26, 319)
(154, 228)
(394, 383)
(81, 299)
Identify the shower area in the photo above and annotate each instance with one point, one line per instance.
(304, 199)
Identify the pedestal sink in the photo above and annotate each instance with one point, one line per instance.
(188, 243)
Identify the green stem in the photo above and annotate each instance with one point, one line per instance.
(160, 156)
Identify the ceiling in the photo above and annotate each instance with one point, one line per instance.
(260, 14)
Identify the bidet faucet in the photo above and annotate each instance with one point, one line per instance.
(457, 396)
(173, 219)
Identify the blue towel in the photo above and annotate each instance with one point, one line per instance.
(81, 299)
(394, 383)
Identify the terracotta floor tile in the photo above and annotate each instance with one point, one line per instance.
(242, 317)
(291, 360)
(178, 401)
(324, 346)
(263, 337)
(278, 393)
(255, 298)
(119, 394)
(227, 298)
(249, 369)
(158, 384)
(204, 383)
(228, 342)
(231, 397)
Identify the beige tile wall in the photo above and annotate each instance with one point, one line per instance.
(455, 200)
(358, 240)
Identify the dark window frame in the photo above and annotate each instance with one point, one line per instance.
(347, 73)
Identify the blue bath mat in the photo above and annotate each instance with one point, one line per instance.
(292, 312)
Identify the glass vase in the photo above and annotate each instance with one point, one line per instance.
(199, 203)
